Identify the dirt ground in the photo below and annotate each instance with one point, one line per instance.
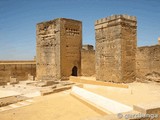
(63, 106)
(58, 106)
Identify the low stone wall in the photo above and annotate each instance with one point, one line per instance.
(16, 69)
(92, 82)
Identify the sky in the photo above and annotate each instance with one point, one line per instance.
(18, 19)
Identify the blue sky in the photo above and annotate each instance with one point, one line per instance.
(18, 20)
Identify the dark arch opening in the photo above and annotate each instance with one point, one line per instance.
(74, 71)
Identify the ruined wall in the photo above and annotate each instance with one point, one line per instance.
(116, 48)
(147, 60)
(58, 48)
(16, 69)
(87, 60)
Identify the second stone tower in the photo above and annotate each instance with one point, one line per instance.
(116, 48)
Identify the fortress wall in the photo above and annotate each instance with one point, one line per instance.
(87, 60)
(16, 69)
(147, 60)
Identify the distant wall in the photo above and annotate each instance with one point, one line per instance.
(87, 60)
(16, 69)
(147, 60)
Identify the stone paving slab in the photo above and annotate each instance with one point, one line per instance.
(17, 105)
(100, 101)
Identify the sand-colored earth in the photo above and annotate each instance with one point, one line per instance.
(58, 106)
(63, 106)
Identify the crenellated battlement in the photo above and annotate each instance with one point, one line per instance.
(117, 18)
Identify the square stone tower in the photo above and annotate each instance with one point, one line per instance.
(116, 48)
(59, 44)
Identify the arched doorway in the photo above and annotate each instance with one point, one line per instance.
(74, 71)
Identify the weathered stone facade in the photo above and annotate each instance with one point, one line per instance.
(16, 69)
(147, 60)
(116, 48)
(87, 60)
(59, 45)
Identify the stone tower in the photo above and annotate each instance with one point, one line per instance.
(116, 48)
(58, 49)
(159, 41)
